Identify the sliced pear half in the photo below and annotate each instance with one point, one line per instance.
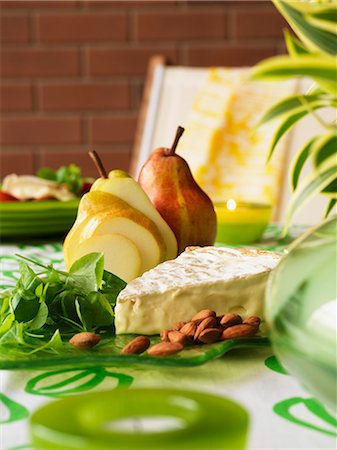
(126, 188)
(121, 256)
(133, 225)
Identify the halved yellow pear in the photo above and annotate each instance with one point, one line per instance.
(121, 256)
(101, 213)
(133, 225)
(126, 188)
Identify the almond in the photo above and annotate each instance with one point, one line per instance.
(201, 315)
(177, 336)
(164, 335)
(209, 335)
(230, 319)
(165, 349)
(238, 331)
(253, 321)
(178, 325)
(84, 340)
(189, 329)
(137, 346)
(209, 322)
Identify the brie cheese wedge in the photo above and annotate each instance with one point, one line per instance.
(222, 279)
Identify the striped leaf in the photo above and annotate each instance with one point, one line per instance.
(331, 204)
(289, 121)
(325, 151)
(294, 46)
(316, 39)
(326, 19)
(291, 103)
(299, 161)
(308, 189)
(322, 70)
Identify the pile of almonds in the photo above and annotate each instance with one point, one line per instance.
(204, 328)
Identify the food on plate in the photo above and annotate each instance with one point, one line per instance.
(6, 197)
(168, 181)
(117, 218)
(220, 279)
(64, 184)
(29, 187)
(208, 328)
(84, 340)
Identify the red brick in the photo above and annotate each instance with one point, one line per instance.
(14, 29)
(110, 130)
(258, 24)
(32, 4)
(129, 3)
(15, 97)
(20, 162)
(111, 160)
(84, 96)
(31, 62)
(227, 56)
(40, 130)
(82, 27)
(181, 25)
(126, 61)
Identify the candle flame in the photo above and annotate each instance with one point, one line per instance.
(231, 204)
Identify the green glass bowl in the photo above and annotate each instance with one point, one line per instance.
(301, 301)
(136, 419)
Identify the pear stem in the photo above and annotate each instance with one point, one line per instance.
(98, 163)
(179, 133)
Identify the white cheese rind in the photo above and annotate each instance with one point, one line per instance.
(222, 279)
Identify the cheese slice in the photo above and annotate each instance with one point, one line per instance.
(219, 278)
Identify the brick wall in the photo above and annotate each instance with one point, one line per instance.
(73, 70)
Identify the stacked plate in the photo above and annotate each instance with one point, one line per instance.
(36, 219)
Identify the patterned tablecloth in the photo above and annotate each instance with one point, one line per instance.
(282, 414)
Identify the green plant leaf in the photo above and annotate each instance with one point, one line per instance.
(299, 162)
(292, 103)
(331, 204)
(313, 185)
(88, 270)
(40, 319)
(316, 39)
(322, 70)
(325, 19)
(294, 46)
(325, 151)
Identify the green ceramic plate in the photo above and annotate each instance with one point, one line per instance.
(108, 353)
(38, 219)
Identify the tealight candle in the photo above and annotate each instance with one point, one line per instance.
(241, 223)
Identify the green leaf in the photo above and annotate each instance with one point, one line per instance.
(46, 173)
(313, 185)
(40, 319)
(331, 204)
(88, 270)
(294, 46)
(7, 324)
(325, 150)
(284, 67)
(299, 162)
(96, 311)
(293, 104)
(315, 38)
(285, 126)
(325, 19)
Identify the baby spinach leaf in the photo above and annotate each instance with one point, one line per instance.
(40, 319)
(87, 272)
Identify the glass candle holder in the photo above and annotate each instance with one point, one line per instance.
(241, 223)
(136, 419)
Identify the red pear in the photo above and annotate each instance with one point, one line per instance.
(168, 181)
